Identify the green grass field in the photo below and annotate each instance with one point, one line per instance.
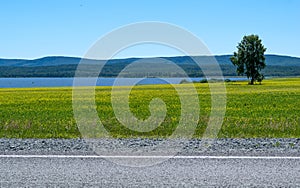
(268, 110)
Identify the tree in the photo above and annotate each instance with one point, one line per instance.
(250, 59)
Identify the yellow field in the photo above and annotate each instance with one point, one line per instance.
(268, 110)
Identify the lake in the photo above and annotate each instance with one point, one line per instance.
(61, 82)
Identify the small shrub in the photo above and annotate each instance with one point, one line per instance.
(203, 81)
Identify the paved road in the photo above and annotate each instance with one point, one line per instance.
(178, 172)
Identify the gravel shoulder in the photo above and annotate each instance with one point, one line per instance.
(245, 147)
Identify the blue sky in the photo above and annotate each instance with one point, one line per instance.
(35, 28)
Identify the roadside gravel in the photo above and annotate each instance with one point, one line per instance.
(257, 147)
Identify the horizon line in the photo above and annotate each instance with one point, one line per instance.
(133, 57)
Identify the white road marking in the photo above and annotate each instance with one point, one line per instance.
(147, 157)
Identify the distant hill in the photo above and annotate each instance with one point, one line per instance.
(56, 61)
(59, 66)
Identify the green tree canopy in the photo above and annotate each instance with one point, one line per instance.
(250, 59)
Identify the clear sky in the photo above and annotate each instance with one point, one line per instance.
(37, 28)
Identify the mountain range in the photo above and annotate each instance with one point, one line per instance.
(60, 66)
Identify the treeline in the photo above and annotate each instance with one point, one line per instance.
(113, 70)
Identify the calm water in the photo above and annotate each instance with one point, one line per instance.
(60, 82)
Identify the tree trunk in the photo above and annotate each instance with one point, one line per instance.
(252, 81)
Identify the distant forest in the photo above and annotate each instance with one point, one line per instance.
(113, 71)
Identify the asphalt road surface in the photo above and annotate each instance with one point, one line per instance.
(81, 171)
